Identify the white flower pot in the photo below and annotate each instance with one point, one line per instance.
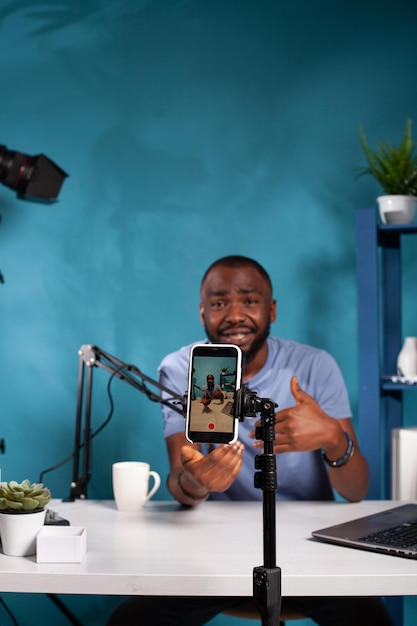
(397, 209)
(18, 532)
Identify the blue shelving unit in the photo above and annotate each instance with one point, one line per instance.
(380, 340)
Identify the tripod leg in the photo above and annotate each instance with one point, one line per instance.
(267, 594)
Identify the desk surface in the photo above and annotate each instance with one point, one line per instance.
(210, 550)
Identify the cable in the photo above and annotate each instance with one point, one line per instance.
(64, 609)
(8, 611)
(95, 433)
(110, 415)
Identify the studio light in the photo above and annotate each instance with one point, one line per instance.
(32, 177)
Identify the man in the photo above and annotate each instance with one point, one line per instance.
(211, 391)
(316, 447)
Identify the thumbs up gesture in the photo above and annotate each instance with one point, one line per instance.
(303, 426)
(299, 395)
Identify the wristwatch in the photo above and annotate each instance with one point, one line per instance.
(345, 458)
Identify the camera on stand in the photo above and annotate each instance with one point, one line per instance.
(32, 177)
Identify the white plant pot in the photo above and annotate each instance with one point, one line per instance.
(18, 532)
(397, 209)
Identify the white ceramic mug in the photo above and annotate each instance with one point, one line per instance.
(131, 485)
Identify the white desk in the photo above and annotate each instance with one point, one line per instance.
(209, 550)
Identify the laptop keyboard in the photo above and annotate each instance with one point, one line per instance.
(402, 536)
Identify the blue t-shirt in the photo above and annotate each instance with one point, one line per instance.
(301, 475)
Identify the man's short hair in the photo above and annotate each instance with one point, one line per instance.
(236, 260)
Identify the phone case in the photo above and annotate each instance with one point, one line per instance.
(215, 373)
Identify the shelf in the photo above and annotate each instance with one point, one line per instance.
(379, 341)
(387, 385)
(380, 400)
(225, 385)
(401, 229)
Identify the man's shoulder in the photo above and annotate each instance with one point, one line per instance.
(277, 344)
(180, 356)
(284, 353)
(288, 352)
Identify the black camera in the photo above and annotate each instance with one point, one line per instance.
(32, 177)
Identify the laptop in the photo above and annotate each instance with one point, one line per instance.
(390, 532)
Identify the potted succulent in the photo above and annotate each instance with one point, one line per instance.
(22, 515)
(395, 169)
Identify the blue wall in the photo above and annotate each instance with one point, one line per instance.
(190, 130)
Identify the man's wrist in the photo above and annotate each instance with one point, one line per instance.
(343, 459)
(189, 492)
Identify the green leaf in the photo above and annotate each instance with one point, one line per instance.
(23, 496)
(12, 505)
(395, 168)
(29, 504)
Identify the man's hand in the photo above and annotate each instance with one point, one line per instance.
(304, 426)
(217, 470)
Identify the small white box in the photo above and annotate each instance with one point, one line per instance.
(61, 544)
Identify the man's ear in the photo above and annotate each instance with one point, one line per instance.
(273, 311)
(202, 314)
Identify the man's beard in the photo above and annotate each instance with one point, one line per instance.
(255, 347)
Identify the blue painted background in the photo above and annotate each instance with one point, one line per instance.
(190, 130)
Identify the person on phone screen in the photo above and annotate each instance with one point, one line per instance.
(211, 391)
(316, 446)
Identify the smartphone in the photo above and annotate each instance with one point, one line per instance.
(214, 376)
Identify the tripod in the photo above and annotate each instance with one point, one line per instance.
(266, 578)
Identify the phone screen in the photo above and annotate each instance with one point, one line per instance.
(215, 373)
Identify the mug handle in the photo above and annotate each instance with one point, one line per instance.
(156, 484)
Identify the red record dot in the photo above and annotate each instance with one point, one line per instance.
(211, 426)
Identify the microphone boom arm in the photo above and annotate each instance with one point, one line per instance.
(90, 357)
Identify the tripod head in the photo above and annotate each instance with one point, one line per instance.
(248, 404)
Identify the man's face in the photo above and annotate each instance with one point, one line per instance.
(237, 307)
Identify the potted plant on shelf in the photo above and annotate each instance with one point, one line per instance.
(395, 169)
(22, 515)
